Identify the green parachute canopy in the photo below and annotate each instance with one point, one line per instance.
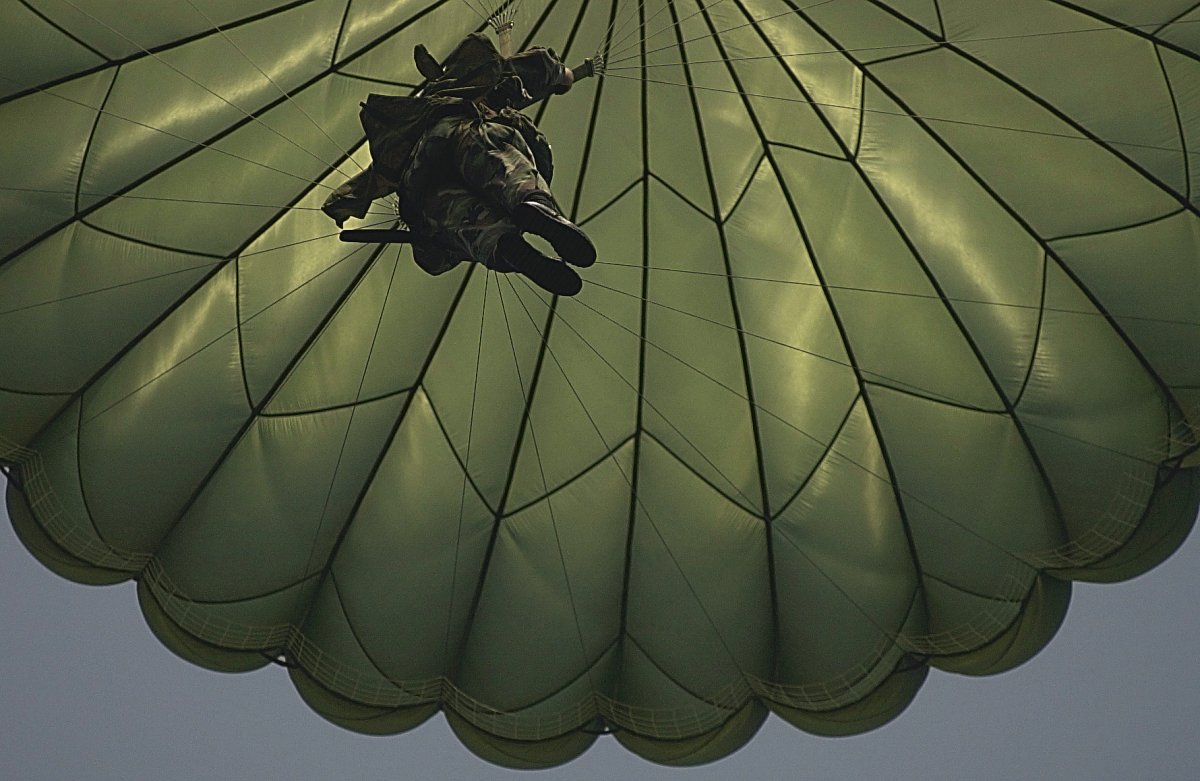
(894, 334)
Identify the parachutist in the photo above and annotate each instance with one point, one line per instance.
(472, 172)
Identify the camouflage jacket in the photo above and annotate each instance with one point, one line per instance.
(477, 83)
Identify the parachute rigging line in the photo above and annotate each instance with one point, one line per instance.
(466, 467)
(167, 199)
(930, 45)
(636, 497)
(899, 629)
(358, 397)
(391, 220)
(504, 17)
(830, 448)
(609, 32)
(195, 144)
(528, 396)
(295, 103)
(748, 502)
(612, 59)
(882, 292)
(71, 429)
(216, 261)
(615, 56)
(894, 382)
(931, 394)
(478, 13)
(209, 90)
(907, 115)
(893, 637)
(616, 48)
(109, 288)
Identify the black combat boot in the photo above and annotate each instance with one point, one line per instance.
(568, 240)
(551, 275)
(427, 64)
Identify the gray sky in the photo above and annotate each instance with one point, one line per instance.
(86, 692)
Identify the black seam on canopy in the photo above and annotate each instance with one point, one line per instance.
(336, 407)
(87, 149)
(526, 422)
(251, 117)
(337, 41)
(1124, 27)
(881, 381)
(960, 324)
(806, 150)
(64, 31)
(153, 50)
(1037, 333)
(604, 458)
(731, 289)
(350, 627)
(459, 459)
(949, 148)
(241, 344)
(817, 270)
(612, 201)
(83, 494)
(1179, 129)
(635, 477)
(152, 245)
(676, 192)
(837, 433)
(390, 439)
(586, 153)
(903, 55)
(971, 592)
(1177, 18)
(238, 600)
(722, 221)
(683, 462)
(1111, 147)
(687, 690)
(47, 394)
(1118, 228)
(255, 409)
(928, 30)
(590, 665)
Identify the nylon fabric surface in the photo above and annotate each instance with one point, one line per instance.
(892, 336)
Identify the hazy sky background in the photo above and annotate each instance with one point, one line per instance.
(86, 692)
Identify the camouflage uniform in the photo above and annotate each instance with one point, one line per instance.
(460, 156)
(493, 169)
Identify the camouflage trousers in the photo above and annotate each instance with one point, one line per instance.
(466, 177)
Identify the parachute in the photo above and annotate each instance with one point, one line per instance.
(892, 337)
